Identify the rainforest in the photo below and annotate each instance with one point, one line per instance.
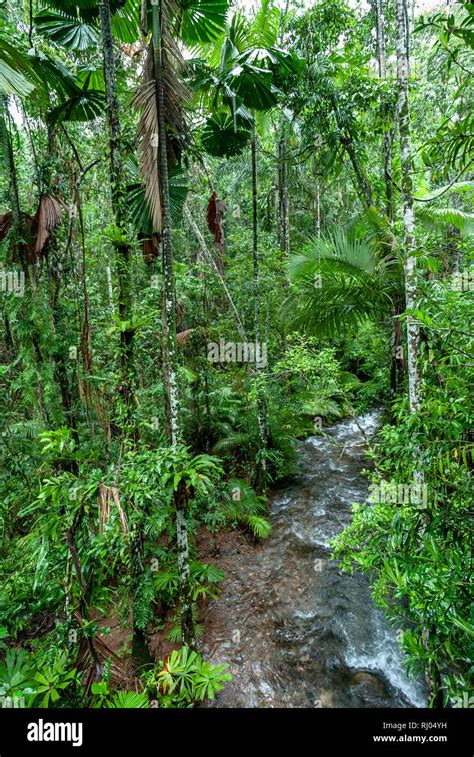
(236, 354)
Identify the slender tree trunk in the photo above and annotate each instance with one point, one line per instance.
(396, 362)
(362, 182)
(168, 257)
(397, 358)
(117, 183)
(387, 138)
(170, 365)
(318, 209)
(14, 197)
(13, 193)
(7, 149)
(83, 601)
(85, 336)
(261, 404)
(411, 294)
(140, 650)
(284, 207)
(85, 331)
(406, 160)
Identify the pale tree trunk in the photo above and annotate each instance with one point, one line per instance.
(318, 210)
(85, 332)
(140, 651)
(387, 137)
(411, 294)
(117, 182)
(170, 363)
(110, 288)
(283, 200)
(261, 404)
(406, 160)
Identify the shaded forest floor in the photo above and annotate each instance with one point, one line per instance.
(234, 552)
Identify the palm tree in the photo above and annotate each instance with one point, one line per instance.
(163, 135)
(140, 650)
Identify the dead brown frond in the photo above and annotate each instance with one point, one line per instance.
(175, 96)
(183, 337)
(214, 217)
(91, 658)
(108, 496)
(150, 247)
(48, 216)
(5, 224)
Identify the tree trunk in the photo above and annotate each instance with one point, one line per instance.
(433, 679)
(387, 137)
(170, 365)
(362, 183)
(261, 404)
(318, 210)
(20, 250)
(117, 183)
(406, 161)
(284, 207)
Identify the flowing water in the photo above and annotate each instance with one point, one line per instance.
(295, 630)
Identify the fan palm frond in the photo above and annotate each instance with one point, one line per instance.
(200, 21)
(13, 82)
(68, 30)
(352, 256)
(146, 100)
(128, 700)
(341, 282)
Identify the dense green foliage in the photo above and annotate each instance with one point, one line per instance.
(286, 195)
